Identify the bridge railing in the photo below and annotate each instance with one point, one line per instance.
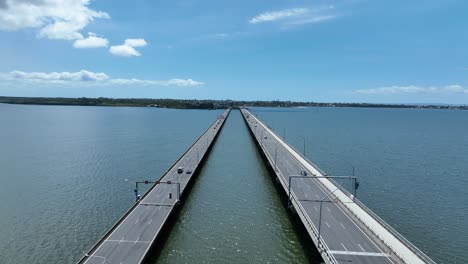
(382, 222)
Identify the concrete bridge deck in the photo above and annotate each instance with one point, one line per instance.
(349, 231)
(130, 239)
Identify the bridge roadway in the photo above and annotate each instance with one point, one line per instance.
(129, 240)
(344, 237)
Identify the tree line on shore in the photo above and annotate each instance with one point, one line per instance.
(198, 104)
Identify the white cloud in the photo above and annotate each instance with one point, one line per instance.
(310, 20)
(135, 42)
(92, 41)
(278, 15)
(411, 89)
(295, 16)
(55, 19)
(128, 48)
(84, 78)
(170, 82)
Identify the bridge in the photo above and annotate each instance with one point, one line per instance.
(131, 238)
(343, 229)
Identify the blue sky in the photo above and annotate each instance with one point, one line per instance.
(326, 51)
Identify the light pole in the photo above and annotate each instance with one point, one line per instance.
(137, 196)
(356, 183)
(320, 216)
(351, 165)
(304, 146)
(276, 152)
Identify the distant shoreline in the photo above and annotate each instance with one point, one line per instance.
(200, 104)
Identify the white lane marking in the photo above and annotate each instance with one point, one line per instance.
(315, 208)
(341, 224)
(316, 195)
(306, 195)
(362, 231)
(120, 241)
(128, 241)
(357, 253)
(360, 247)
(328, 209)
(137, 221)
(149, 222)
(327, 224)
(344, 247)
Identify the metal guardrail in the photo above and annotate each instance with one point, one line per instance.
(389, 228)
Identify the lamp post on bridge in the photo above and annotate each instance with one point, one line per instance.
(276, 152)
(138, 198)
(356, 183)
(261, 140)
(351, 165)
(356, 186)
(304, 146)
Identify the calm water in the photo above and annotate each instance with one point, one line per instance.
(412, 164)
(63, 172)
(67, 173)
(234, 214)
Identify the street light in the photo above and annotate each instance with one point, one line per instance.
(276, 152)
(356, 183)
(137, 196)
(304, 146)
(351, 165)
(320, 216)
(261, 140)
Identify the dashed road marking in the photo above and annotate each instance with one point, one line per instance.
(360, 247)
(344, 247)
(128, 241)
(357, 253)
(341, 224)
